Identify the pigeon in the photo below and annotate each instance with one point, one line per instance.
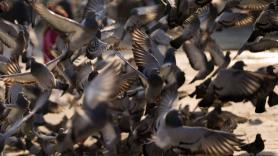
(40, 74)
(39, 103)
(231, 19)
(14, 37)
(265, 23)
(116, 64)
(255, 147)
(170, 133)
(182, 11)
(176, 75)
(95, 110)
(198, 60)
(219, 120)
(251, 86)
(259, 45)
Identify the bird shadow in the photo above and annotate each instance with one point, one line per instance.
(255, 122)
(265, 153)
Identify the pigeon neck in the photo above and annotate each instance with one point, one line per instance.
(170, 56)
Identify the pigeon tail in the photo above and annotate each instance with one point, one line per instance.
(273, 99)
(260, 105)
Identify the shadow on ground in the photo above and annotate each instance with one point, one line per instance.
(265, 153)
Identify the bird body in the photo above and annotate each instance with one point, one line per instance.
(14, 36)
(255, 147)
(42, 75)
(169, 132)
(133, 108)
(243, 85)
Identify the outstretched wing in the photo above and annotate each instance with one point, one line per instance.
(96, 6)
(241, 84)
(60, 23)
(101, 87)
(205, 141)
(169, 100)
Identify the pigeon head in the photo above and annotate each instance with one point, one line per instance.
(202, 88)
(180, 77)
(155, 79)
(22, 101)
(259, 142)
(170, 56)
(166, 69)
(173, 119)
(228, 53)
(239, 65)
(210, 65)
(270, 69)
(258, 137)
(172, 18)
(30, 61)
(92, 75)
(90, 21)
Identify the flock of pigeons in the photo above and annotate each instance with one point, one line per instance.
(137, 96)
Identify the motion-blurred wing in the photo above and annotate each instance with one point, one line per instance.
(230, 19)
(60, 23)
(8, 27)
(101, 87)
(241, 83)
(196, 57)
(143, 58)
(96, 6)
(216, 52)
(253, 5)
(22, 78)
(124, 83)
(53, 63)
(141, 38)
(8, 40)
(205, 141)
(169, 100)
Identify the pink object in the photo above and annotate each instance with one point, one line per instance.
(49, 39)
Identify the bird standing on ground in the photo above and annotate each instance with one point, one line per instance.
(255, 147)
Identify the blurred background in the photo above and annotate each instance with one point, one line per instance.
(119, 10)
